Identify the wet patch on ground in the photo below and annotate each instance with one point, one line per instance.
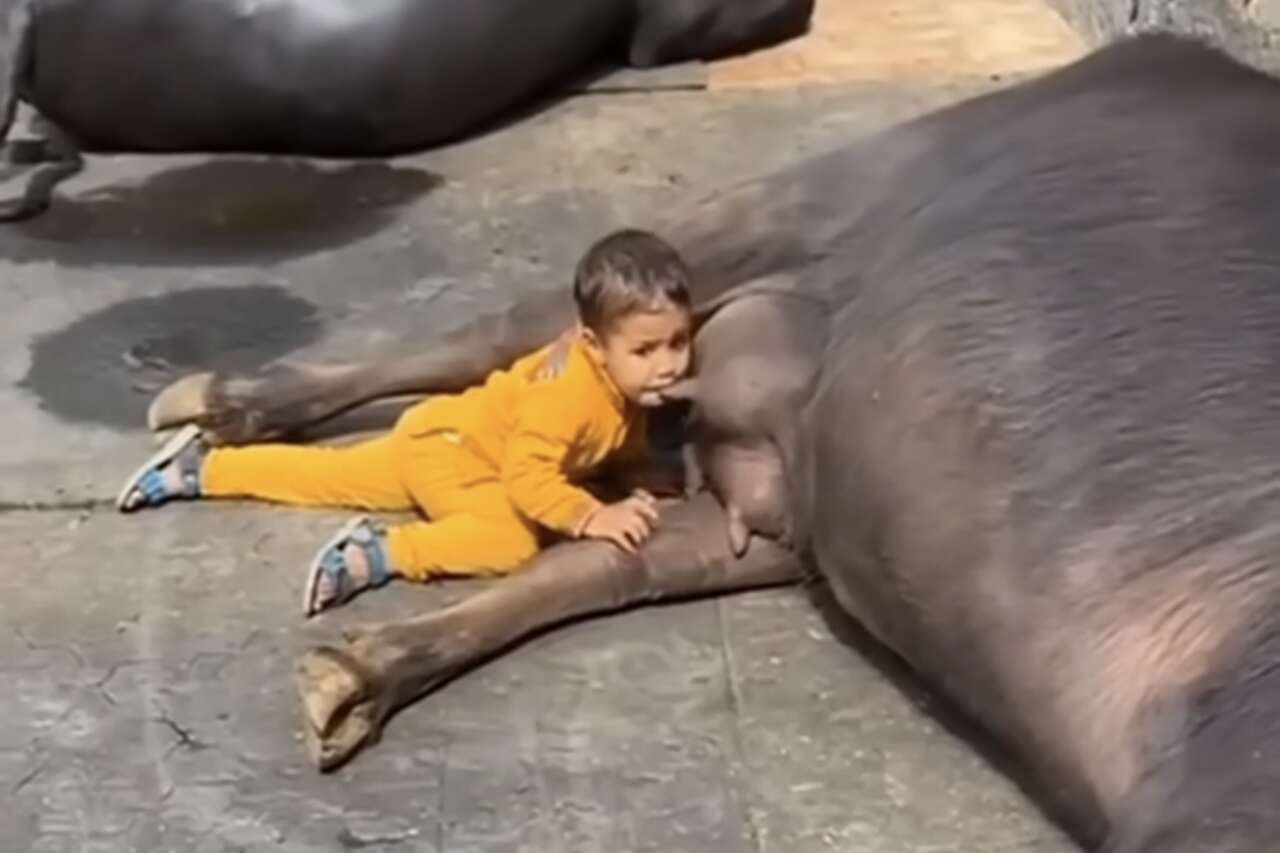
(105, 367)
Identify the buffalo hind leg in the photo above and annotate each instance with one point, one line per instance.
(279, 400)
(285, 398)
(348, 691)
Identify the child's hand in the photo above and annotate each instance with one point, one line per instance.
(626, 523)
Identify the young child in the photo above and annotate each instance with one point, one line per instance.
(494, 469)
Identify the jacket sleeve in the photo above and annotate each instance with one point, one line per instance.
(533, 466)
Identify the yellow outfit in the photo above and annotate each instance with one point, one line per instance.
(488, 466)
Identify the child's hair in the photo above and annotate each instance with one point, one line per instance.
(627, 271)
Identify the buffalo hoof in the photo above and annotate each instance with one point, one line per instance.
(233, 410)
(342, 711)
(181, 403)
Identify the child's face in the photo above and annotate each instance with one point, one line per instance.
(645, 351)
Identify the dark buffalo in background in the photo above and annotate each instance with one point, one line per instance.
(340, 78)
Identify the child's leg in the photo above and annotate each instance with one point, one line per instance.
(362, 555)
(461, 543)
(473, 528)
(361, 475)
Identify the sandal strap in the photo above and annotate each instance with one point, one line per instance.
(189, 463)
(373, 542)
(152, 487)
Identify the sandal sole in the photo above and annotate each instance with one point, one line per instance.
(171, 448)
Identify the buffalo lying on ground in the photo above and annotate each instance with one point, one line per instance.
(341, 78)
(1006, 378)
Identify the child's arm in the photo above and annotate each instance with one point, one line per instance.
(547, 427)
(533, 471)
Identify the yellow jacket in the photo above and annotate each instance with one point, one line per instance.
(541, 435)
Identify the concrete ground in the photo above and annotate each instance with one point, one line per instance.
(148, 659)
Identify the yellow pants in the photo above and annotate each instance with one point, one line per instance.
(473, 528)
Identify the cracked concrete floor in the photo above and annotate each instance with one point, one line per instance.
(147, 659)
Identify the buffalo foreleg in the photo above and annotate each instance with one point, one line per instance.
(349, 690)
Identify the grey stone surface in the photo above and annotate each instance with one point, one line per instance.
(148, 663)
(148, 659)
(1266, 13)
(1245, 28)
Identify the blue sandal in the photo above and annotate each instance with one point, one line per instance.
(186, 451)
(330, 562)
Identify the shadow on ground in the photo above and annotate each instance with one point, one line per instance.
(1051, 803)
(226, 210)
(105, 367)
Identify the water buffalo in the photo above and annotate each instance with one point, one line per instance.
(339, 78)
(1007, 378)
